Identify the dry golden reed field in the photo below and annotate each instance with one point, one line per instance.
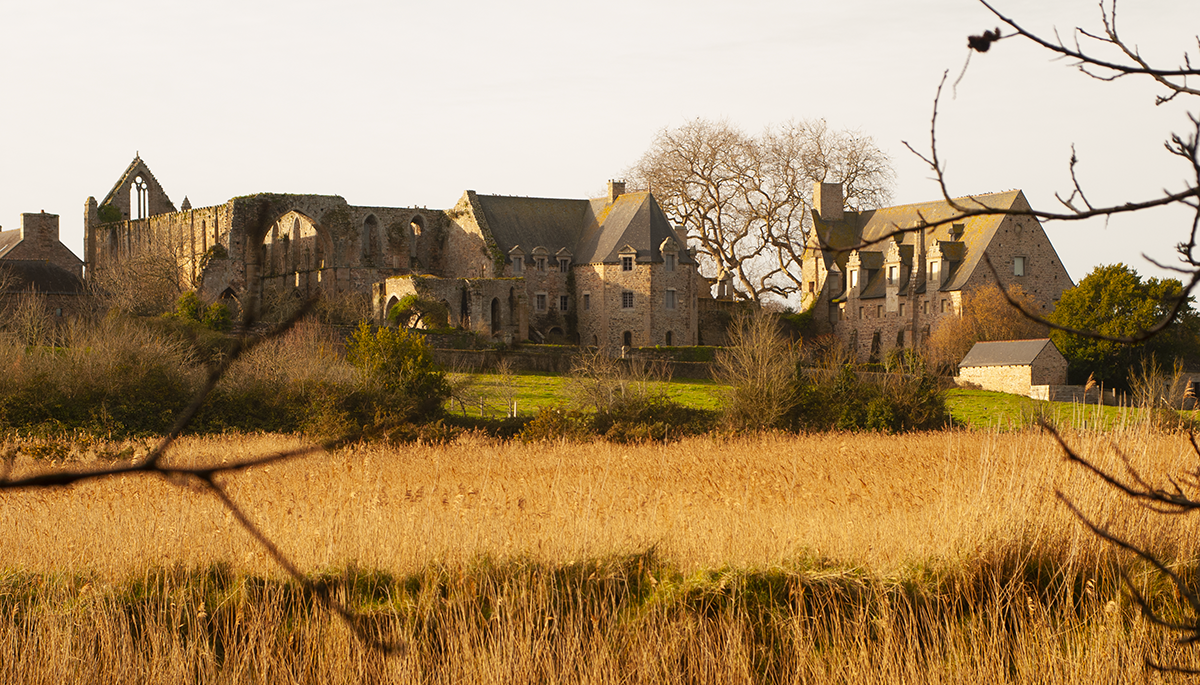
(849, 558)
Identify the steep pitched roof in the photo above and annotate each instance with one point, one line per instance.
(40, 275)
(859, 227)
(9, 240)
(534, 221)
(591, 230)
(634, 219)
(1005, 352)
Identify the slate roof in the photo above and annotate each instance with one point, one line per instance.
(40, 275)
(859, 227)
(9, 240)
(1005, 352)
(592, 230)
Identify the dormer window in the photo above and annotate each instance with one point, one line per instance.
(564, 264)
(541, 264)
(854, 278)
(892, 272)
(518, 264)
(934, 274)
(669, 262)
(627, 263)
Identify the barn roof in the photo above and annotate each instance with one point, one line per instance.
(1005, 352)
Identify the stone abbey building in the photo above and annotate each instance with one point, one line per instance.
(879, 293)
(609, 271)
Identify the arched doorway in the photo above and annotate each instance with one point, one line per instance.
(387, 310)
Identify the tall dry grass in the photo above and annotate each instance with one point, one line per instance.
(940, 557)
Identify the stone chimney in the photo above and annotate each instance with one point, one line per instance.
(615, 189)
(827, 201)
(40, 230)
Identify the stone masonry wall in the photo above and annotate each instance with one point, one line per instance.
(1010, 379)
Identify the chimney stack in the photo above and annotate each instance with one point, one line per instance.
(828, 201)
(615, 189)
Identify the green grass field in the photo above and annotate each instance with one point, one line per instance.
(486, 394)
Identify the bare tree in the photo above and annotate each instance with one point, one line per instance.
(1104, 54)
(745, 200)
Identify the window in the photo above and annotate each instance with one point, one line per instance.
(540, 298)
(564, 264)
(892, 271)
(587, 300)
(925, 306)
(901, 309)
(854, 278)
(627, 299)
(669, 265)
(541, 264)
(627, 339)
(934, 266)
(670, 339)
(861, 315)
(518, 264)
(562, 303)
(878, 311)
(670, 299)
(811, 286)
(1018, 266)
(627, 263)
(943, 306)
(841, 313)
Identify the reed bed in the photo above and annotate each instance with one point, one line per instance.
(933, 557)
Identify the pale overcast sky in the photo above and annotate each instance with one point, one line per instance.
(406, 103)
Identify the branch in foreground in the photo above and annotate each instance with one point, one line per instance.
(1145, 495)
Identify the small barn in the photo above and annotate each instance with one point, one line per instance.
(1014, 366)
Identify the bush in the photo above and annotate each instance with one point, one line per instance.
(903, 400)
(402, 365)
(759, 366)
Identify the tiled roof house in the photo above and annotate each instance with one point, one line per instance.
(879, 292)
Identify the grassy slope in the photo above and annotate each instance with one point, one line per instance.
(534, 391)
(975, 409)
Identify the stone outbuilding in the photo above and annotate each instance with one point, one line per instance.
(1014, 366)
(34, 261)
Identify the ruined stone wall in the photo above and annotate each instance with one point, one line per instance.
(465, 248)
(494, 308)
(182, 236)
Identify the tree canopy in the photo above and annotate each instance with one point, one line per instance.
(744, 200)
(1114, 301)
(986, 316)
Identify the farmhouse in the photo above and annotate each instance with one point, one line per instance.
(34, 260)
(878, 293)
(1014, 366)
(608, 271)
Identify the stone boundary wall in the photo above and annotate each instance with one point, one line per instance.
(552, 362)
(1075, 393)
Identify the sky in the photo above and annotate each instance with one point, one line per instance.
(398, 103)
